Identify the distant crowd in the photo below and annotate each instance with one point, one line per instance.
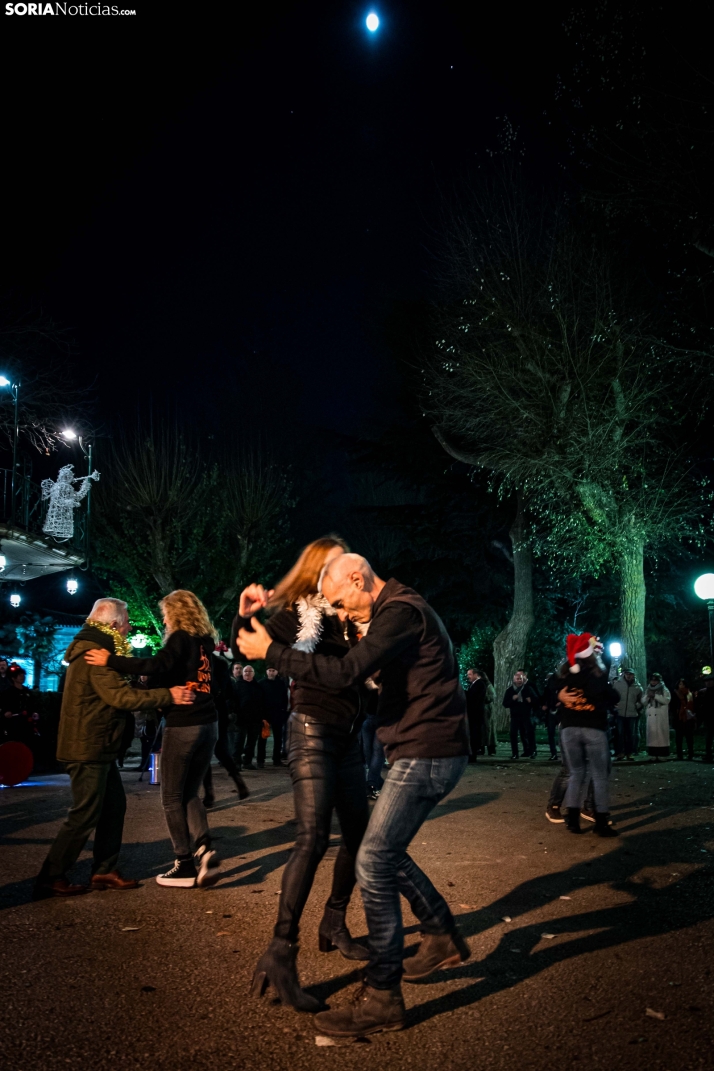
(642, 718)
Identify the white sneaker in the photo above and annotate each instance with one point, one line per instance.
(182, 875)
(208, 866)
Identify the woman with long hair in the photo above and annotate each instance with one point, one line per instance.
(325, 763)
(189, 736)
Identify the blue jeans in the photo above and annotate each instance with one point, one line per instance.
(373, 753)
(587, 755)
(412, 789)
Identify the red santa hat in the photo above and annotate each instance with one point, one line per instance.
(581, 646)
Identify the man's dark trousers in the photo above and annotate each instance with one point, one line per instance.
(99, 804)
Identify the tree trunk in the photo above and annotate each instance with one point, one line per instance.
(632, 606)
(509, 647)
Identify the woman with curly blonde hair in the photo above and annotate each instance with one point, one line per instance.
(190, 734)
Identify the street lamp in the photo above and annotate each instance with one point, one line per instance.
(615, 650)
(704, 588)
(71, 436)
(372, 22)
(15, 600)
(72, 586)
(138, 640)
(14, 392)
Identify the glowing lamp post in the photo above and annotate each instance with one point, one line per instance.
(15, 600)
(704, 588)
(72, 586)
(372, 22)
(138, 640)
(14, 392)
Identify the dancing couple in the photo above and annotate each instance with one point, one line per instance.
(328, 600)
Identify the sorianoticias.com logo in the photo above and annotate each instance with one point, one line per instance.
(66, 9)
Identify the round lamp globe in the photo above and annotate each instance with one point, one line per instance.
(704, 586)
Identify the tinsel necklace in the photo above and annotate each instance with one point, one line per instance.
(121, 644)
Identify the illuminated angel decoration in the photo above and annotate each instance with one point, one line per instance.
(64, 499)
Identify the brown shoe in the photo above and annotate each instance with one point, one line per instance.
(436, 952)
(369, 1012)
(113, 880)
(46, 888)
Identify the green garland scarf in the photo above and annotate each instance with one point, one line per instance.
(121, 644)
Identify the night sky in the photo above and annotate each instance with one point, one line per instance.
(222, 211)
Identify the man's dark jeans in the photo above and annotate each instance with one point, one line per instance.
(186, 754)
(551, 722)
(99, 804)
(326, 770)
(521, 723)
(626, 735)
(684, 730)
(373, 753)
(247, 736)
(412, 789)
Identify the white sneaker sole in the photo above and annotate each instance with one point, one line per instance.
(209, 870)
(179, 883)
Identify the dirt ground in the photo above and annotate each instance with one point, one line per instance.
(585, 952)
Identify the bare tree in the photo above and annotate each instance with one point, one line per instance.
(544, 376)
(35, 353)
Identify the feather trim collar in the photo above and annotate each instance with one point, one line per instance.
(311, 611)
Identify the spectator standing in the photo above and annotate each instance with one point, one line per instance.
(277, 703)
(476, 712)
(521, 700)
(684, 720)
(251, 711)
(704, 706)
(21, 721)
(550, 707)
(628, 709)
(656, 703)
(4, 678)
(221, 693)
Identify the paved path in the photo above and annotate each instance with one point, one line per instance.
(159, 978)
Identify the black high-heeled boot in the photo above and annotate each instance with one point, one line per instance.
(572, 820)
(333, 934)
(277, 967)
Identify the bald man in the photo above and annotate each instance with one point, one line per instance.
(423, 727)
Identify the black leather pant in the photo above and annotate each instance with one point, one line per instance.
(328, 774)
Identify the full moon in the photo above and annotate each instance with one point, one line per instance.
(372, 22)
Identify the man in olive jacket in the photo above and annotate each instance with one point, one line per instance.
(94, 706)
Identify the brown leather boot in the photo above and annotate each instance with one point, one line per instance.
(113, 880)
(369, 1012)
(48, 887)
(437, 951)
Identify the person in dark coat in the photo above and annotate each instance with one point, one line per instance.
(521, 699)
(277, 698)
(4, 678)
(20, 720)
(476, 712)
(704, 709)
(221, 692)
(251, 710)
